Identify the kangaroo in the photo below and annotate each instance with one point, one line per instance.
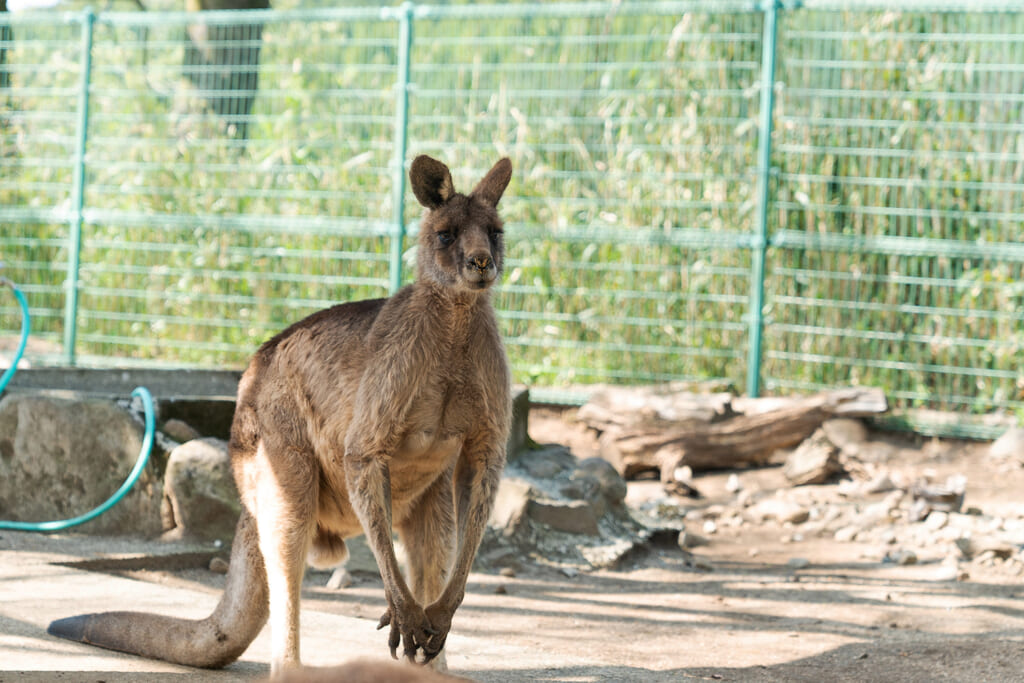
(362, 418)
(368, 671)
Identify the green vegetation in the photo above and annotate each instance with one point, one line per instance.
(896, 214)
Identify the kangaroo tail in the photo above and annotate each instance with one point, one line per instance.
(212, 642)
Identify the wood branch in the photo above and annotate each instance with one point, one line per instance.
(644, 407)
(636, 445)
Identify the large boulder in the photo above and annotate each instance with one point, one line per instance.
(568, 512)
(60, 458)
(200, 498)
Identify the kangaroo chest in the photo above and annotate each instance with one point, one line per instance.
(439, 420)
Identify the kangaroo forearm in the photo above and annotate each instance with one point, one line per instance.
(473, 508)
(369, 481)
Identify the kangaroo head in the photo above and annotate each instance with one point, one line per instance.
(460, 244)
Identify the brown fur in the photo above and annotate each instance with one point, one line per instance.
(367, 671)
(363, 418)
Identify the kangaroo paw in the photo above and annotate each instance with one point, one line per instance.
(411, 630)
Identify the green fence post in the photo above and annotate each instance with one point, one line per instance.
(78, 192)
(405, 16)
(764, 162)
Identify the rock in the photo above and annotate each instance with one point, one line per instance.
(813, 462)
(680, 487)
(518, 437)
(831, 514)
(936, 520)
(902, 557)
(918, 511)
(783, 511)
(1009, 446)
(745, 498)
(60, 458)
(732, 484)
(847, 534)
(588, 489)
(340, 578)
(681, 483)
(611, 485)
(200, 498)
(845, 433)
(798, 563)
(698, 562)
(219, 565)
(547, 490)
(875, 514)
(180, 431)
(209, 416)
(880, 483)
(973, 546)
(573, 516)
(683, 474)
(510, 505)
(710, 512)
(947, 572)
(688, 539)
(508, 572)
(888, 537)
(546, 463)
(360, 556)
(948, 497)
(987, 558)
(848, 488)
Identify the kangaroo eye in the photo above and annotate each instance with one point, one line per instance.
(445, 238)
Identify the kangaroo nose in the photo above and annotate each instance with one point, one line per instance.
(480, 261)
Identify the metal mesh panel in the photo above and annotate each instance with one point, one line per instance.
(899, 207)
(212, 216)
(225, 173)
(39, 92)
(632, 138)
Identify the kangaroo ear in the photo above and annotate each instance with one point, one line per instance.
(431, 181)
(494, 183)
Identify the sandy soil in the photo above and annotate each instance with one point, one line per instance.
(765, 602)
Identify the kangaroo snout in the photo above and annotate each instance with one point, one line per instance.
(481, 262)
(480, 270)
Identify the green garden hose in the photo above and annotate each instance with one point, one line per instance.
(140, 463)
(25, 324)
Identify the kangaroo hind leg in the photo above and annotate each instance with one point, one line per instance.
(284, 507)
(428, 535)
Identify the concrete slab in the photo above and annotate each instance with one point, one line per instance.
(205, 399)
(37, 587)
(119, 382)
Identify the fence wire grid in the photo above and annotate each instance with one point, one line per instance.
(781, 197)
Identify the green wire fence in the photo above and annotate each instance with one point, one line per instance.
(783, 197)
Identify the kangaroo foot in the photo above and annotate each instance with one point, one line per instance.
(413, 630)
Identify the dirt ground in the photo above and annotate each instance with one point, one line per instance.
(761, 601)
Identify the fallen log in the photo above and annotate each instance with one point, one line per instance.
(653, 408)
(725, 438)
